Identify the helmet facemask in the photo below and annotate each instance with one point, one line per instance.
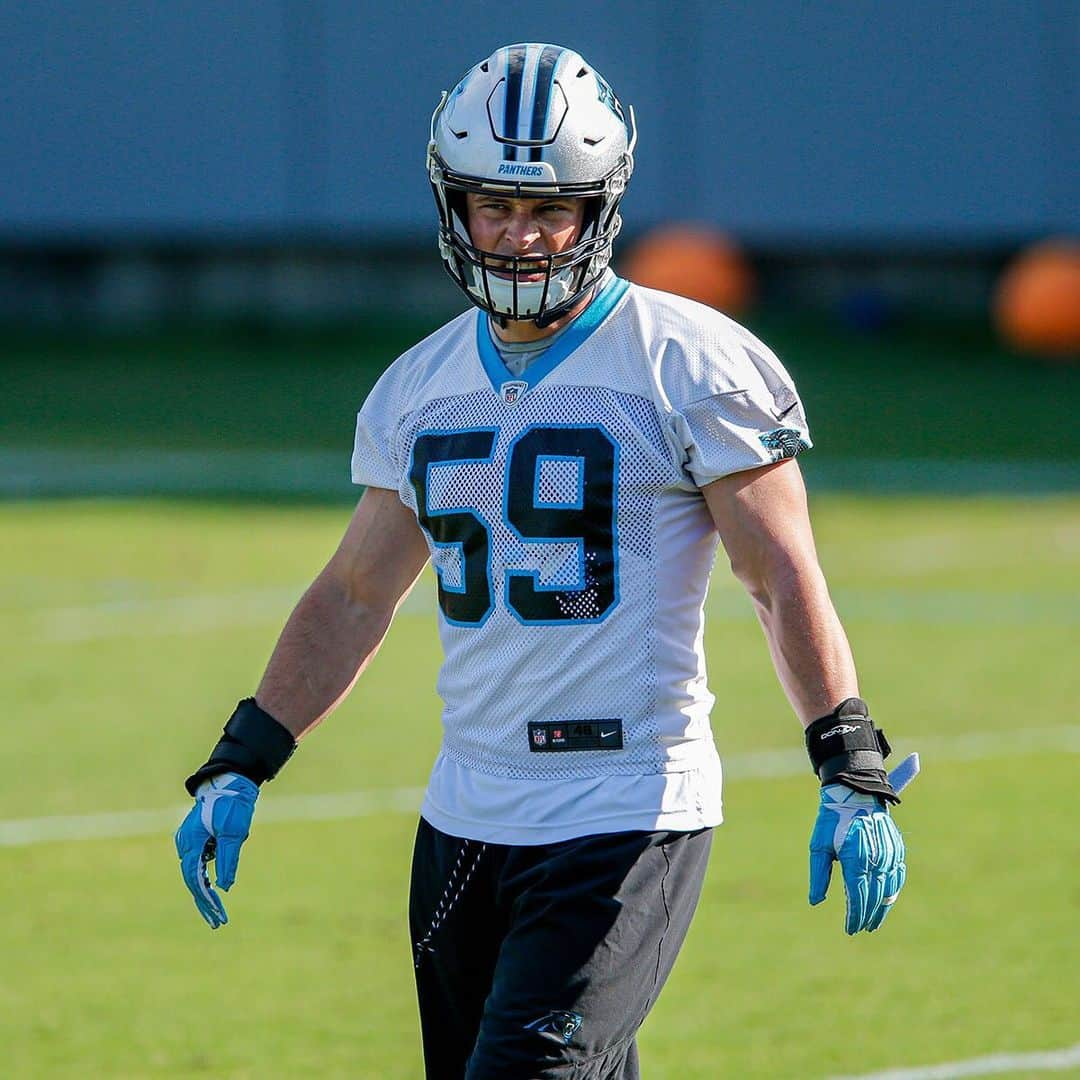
(494, 281)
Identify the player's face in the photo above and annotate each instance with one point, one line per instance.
(524, 227)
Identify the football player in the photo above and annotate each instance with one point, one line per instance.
(568, 453)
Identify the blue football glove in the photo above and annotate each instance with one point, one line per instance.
(214, 828)
(856, 829)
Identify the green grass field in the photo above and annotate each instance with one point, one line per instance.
(130, 628)
(921, 391)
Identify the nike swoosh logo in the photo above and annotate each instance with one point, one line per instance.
(781, 415)
(605, 734)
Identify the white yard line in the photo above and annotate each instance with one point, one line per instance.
(336, 806)
(993, 1064)
(29, 473)
(972, 746)
(191, 613)
(111, 826)
(143, 615)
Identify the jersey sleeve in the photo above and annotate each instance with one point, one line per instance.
(736, 408)
(374, 463)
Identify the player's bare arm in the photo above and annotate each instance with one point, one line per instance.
(334, 631)
(763, 522)
(339, 623)
(762, 518)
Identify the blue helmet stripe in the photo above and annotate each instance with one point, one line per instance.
(545, 77)
(515, 65)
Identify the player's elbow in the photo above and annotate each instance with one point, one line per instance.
(354, 599)
(771, 578)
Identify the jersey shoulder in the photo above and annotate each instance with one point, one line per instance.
(435, 367)
(698, 352)
(420, 371)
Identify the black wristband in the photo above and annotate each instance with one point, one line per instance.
(846, 748)
(254, 745)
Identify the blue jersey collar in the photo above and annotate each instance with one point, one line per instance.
(576, 333)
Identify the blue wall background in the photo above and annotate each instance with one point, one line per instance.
(904, 123)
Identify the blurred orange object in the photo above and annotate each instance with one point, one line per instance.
(693, 261)
(1037, 302)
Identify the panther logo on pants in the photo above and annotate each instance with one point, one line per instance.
(557, 1024)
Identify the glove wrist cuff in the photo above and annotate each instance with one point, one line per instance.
(845, 748)
(253, 744)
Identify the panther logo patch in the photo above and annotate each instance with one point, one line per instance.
(783, 443)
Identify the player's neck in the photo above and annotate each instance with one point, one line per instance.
(516, 331)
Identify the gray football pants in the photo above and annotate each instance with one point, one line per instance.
(542, 962)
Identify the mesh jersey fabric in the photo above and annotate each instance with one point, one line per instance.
(567, 529)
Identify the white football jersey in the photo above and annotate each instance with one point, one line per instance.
(573, 549)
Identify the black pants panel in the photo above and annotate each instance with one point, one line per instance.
(542, 962)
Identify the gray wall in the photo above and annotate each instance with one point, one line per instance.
(911, 121)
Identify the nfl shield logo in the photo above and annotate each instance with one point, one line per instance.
(539, 736)
(512, 391)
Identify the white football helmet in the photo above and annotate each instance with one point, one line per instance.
(531, 120)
